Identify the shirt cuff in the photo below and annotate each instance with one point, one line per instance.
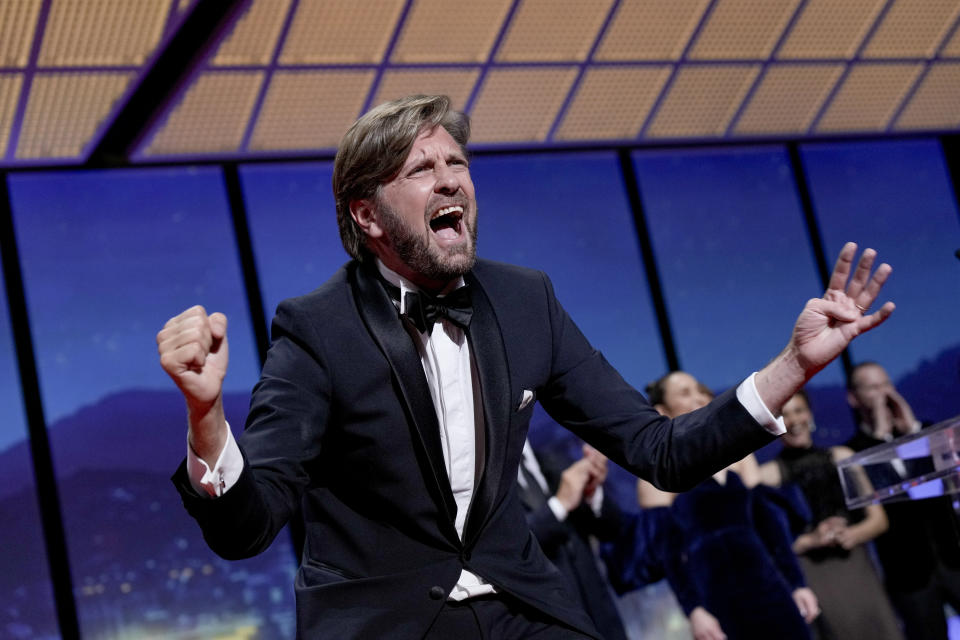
(559, 511)
(216, 481)
(750, 399)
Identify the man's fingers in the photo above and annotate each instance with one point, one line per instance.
(841, 270)
(868, 294)
(218, 325)
(866, 323)
(862, 274)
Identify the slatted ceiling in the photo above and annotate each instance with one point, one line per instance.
(553, 30)
(613, 103)
(830, 29)
(65, 109)
(309, 109)
(456, 83)
(340, 31)
(520, 105)
(212, 116)
(650, 29)
(17, 22)
(913, 29)
(788, 98)
(952, 47)
(743, 29)
(441, 31)
(10, 85)
(104, 33)
(702, 100)
(254, 36)
(869, 97)
(936, 103)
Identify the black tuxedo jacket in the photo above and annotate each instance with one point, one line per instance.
(342, 425)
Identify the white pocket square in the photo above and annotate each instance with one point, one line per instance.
(526, 399)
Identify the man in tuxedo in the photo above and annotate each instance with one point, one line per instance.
(395, 400)
(566, 507)
(919, 552)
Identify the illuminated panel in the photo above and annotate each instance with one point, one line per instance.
(869, 97)
(340, 31)
(702, 101)
(613, 103)
(64, 111)
(788, 99)
(912, 28)
(830, 29)
(743, 29)
(650, 29)
(212, 116)
(520, 104)
(108, 32)
(17, 21)
(454, 83)
(254, 35)
(936, 103)
(10, 84)
(309, 109)
(435, 32)
(553, 30)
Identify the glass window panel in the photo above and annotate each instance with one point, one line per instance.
(28, 610)
(293, 228)
(107, 258)
(568, 216)
(733, 254)
(895, 196)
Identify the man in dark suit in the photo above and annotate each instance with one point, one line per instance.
(395, 400)
(566, 507)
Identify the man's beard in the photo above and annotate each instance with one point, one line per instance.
(415, 250)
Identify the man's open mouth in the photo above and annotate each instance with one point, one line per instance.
(446, 222)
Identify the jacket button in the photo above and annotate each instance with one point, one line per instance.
(436, 593)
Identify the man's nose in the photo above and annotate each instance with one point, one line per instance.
(448, 182)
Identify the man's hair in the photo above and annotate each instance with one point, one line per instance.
(853, 372)
(802, 393)
(374, 149)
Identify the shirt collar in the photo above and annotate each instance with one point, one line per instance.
(405, 285)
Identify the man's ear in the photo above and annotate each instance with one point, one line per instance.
(364, 214)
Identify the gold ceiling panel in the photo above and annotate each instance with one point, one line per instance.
(553, 30)
(306, 110)
(743, 29)
(869, 97)
(456, 83)
(830, 29)
(650, 29)
(211, 117)
(254, 36)
(912, 28)
(64, 110)
(104, 33)
(952, 47)
(18, 21)
(340, 31)
(434, 31)
(936, 103)
(788, 99)
(520, 105)
(613, 102)
(702, 100)
(10, 84)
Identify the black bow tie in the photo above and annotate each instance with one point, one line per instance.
(424, 310)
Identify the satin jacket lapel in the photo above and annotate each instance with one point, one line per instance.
(489, 353)
(380, 316)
